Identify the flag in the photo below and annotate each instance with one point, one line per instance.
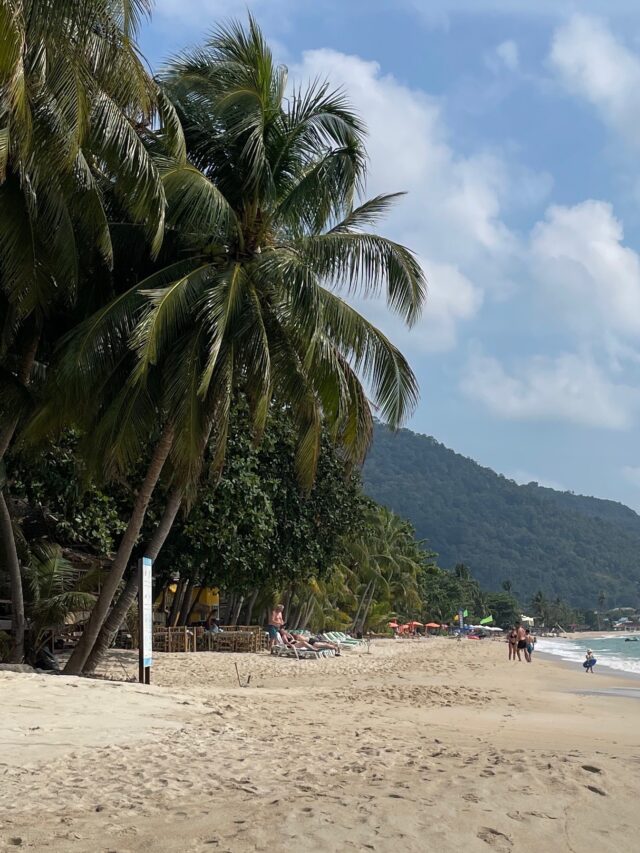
(487, 621)
(465, 613)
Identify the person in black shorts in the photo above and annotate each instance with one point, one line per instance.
(522, 641)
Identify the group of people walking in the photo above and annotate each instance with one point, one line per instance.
(521, 642)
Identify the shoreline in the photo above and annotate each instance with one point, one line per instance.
(417, 741)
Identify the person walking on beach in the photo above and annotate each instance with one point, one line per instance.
(531, 642)
(589, 661)
(512, 639)
(276, 622)
(522, 641)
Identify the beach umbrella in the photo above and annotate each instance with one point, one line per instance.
(392, 624)
(433, 625)
(413, 624)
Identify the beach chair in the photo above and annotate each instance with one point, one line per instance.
(282, 650)
(340, 639)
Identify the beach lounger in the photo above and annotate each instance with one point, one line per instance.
(340, 639)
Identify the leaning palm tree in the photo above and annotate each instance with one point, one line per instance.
(73, 92)
(268, 226)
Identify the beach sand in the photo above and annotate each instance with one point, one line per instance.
(417, 745)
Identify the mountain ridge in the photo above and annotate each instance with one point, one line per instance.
(572, 546)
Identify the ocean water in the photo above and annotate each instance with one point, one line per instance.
(610, 651)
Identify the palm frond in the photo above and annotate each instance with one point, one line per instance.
(364, 264)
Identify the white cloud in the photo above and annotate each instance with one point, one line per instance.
(570, 388)
(593, 64)
(505, 55)
(453, 215)
(452, 299)
(588, 276)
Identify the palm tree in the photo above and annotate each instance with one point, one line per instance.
(540, 606)
(73, 90)
(602, 600)
(57, 594)
(268, 227)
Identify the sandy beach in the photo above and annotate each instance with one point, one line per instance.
(416, 745)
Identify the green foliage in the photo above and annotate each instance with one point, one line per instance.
(504, 608)
(62, 504)
(265, 230)
(566, 545)
(256, 526)
(56, 594)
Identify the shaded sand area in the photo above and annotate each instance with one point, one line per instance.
(418, 745)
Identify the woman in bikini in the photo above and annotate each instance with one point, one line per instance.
(512, 639)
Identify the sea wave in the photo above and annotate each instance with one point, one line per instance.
(574, 651)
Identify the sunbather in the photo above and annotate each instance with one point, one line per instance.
(318, 643)
(294, 640)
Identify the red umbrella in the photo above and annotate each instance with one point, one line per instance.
(392, 624)
(413, 624)
(432, 625)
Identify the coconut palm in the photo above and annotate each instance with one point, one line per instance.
(268, 228)
(73, 95)
(57, 595)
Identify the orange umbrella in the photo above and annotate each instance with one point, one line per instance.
(392, 624)
(432, 625)
(413, 624)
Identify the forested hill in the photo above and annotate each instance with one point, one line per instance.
(566, 545)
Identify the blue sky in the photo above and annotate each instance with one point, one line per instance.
(513, 126)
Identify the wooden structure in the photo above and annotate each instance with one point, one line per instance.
(230, 638)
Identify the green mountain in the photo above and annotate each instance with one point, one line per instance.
(567, 545)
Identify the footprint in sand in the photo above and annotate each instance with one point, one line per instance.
(591, 769)
(496, 839)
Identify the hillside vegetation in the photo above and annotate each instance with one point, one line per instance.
(566, 545)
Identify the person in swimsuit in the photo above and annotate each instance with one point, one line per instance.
(531, 642)
(276, 621)
(319, 643)
(512, 639)
(589, 661)
(522, 642)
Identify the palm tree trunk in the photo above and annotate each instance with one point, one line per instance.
(185, 606)
(307, 614)
(175, 605)
(236, 611)
(6, 527)
(195, 602)
(24, 376)
(360, 605)
(368, 607)
(128, 595)
(101, 608)
(13, 565)
(250, 605)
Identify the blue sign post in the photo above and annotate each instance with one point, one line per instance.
(145, 618)
(461, 621)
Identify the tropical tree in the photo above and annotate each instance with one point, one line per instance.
(540, 607)
(602, 600)
(73, 90)
(265, 209)
(56, 596)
